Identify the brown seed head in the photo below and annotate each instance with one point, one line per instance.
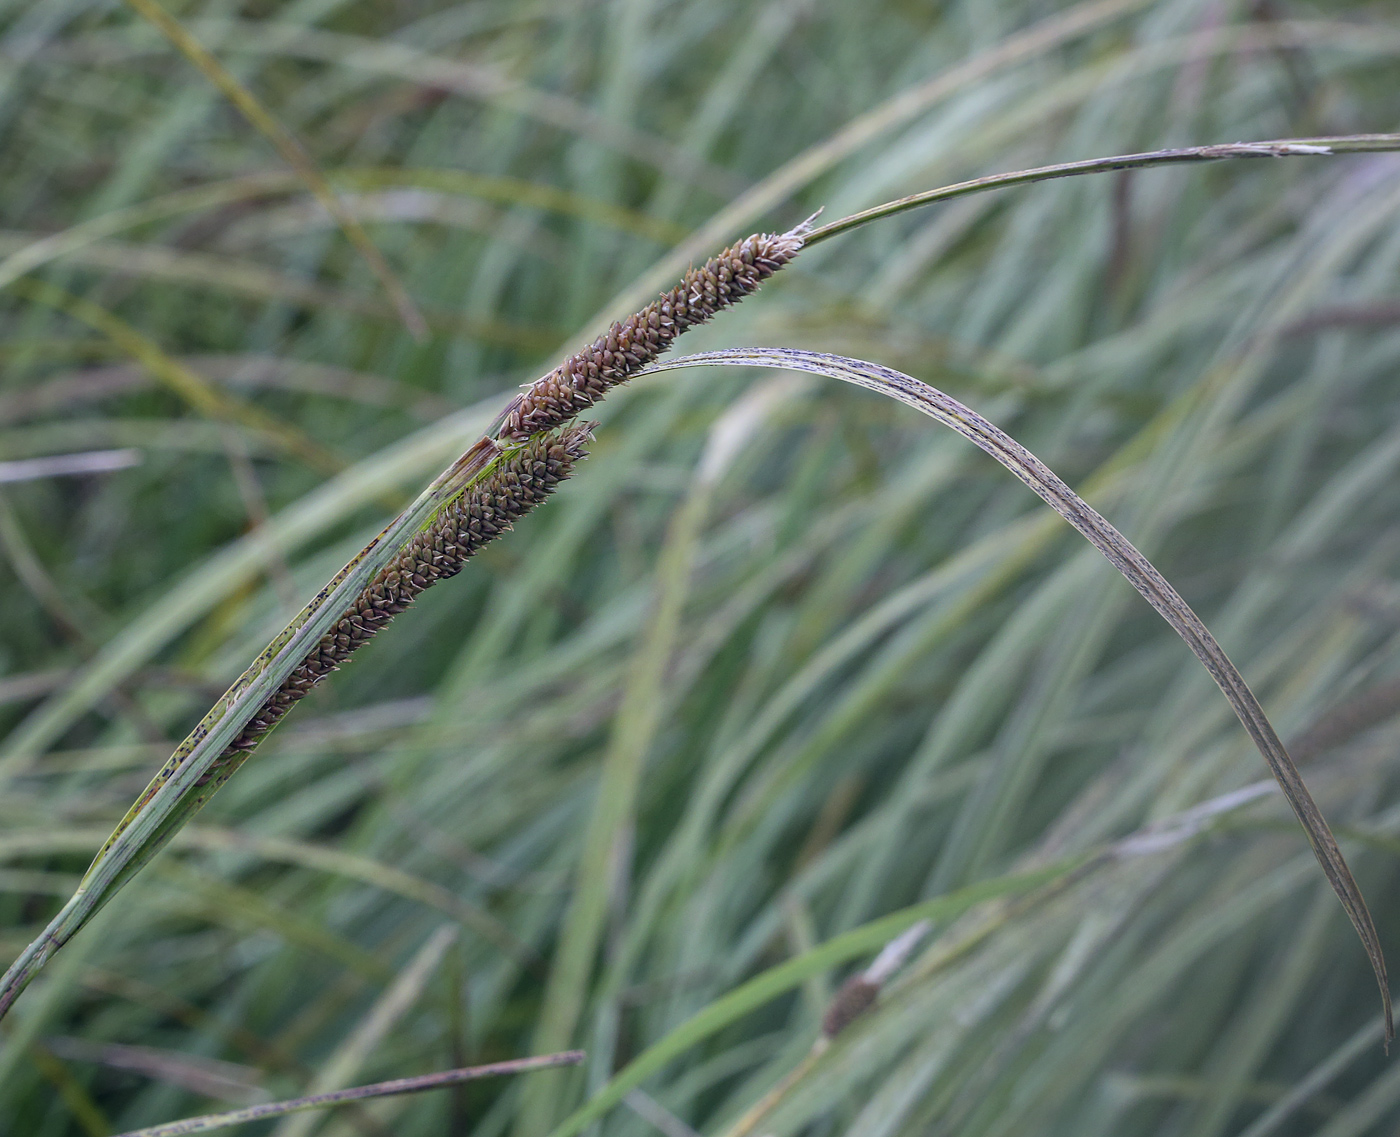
(856, 996)
(629, 346)
(522, 480)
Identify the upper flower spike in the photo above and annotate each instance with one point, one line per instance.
(629, 346)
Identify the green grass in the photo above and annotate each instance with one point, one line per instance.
(833, 662)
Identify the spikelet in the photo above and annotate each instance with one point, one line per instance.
(859, 993)
(627, 347)
(856, 996)
(524, 479)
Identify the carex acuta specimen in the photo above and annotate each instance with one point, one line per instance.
(538, 444)
(538, 461)
(533, 446)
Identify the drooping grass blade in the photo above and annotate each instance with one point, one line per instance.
(1120, 552)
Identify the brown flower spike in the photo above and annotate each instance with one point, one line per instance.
(523, 479)
(859, 993)
(583, 379)
(529, 473)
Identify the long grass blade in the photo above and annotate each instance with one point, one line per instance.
(865, 129)
(158, 624)
(470, 80)
(1136, 568)
(251, 187)
(639, 718)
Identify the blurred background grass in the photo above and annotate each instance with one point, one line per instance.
(890, 674)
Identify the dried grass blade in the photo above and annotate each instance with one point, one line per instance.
(292, 152)
(1127, 560)
(369, 1033)
(357, 1093)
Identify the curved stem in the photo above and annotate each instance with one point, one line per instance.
(394, 1088)
(1282, 148)
(1137, 569)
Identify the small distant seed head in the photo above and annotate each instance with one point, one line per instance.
(856, 996)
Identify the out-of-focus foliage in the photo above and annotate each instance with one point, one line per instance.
(890, 675)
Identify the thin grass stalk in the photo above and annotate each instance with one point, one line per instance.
(394, 1088)
(1278, 148)
(1136, 568)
